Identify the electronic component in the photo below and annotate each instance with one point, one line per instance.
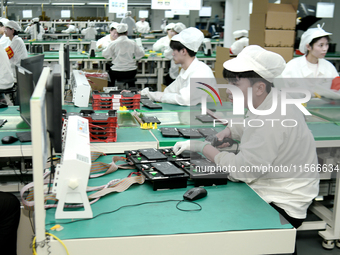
(207, 131)
(189, 133)
(164, 175)
(205, 118)
(151, 119)
(185, 155)
(215, 142)
(169, 132)
(145, 156)
(2, 122)
(151, 105)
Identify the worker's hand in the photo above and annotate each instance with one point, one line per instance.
(189, 145)
(125, 90)
(225, 133)
(100, 46)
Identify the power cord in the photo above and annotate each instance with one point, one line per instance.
(144, 203)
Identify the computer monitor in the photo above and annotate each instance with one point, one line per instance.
(54, 108)
(25, 90)
(205, 11)
(67, 61)
(35, 65)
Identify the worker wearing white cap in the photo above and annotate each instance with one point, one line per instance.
(90, 32)
(275, 146)
(130, 22)
(124, 54)
(103, 42)
(316, 71)
(4, 40)
(142, 26)
(35, 29)
(6, 74)
(174, 69)
(70, 29)
(241, 41)
(164, 41)
(185, 46)
(17, 49)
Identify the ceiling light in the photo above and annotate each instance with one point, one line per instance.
(68, 3)
(97, 3)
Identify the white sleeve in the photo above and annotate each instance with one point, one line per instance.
(158, 45)
(168, 52)
(108, 52)
(139, 51)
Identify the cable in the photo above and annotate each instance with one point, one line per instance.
(143, 203)
(47, 233)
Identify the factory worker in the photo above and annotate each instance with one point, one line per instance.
(241, 41)
(6, 74)
(174, 69)
(312, 66)
(130, 22)
(185, 46)
(35, 29)
(70, 29)
(103, 42)
(124, 54)
(142, 26)
(17, 49)
(277, 146)
(90, 32)
(4, 40)
(164, 42)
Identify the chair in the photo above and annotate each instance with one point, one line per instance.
(11, 91)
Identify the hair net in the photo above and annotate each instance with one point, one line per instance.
(122, 28)
(128, 13)
(179, 27)
(114, 25)
(240, 33)
(170, 26)
(12, 24)
(309, 35)
(190, 37)
(35, 20)
(265, 63)
(91, 24)
(3, 21)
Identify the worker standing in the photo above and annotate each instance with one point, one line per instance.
(90, 32)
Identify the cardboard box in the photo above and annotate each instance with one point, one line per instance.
(97, 83)
(279, 38)
(294, 3)
(256, 37)
(281, 16)
(257, 21)
(285, 52)
(222, 55)
(260, 6)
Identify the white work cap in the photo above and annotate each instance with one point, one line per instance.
(309, 35)
(128, 13)
(190, 37)
(240, 33)
(170, 26)
(265, 63)
(91, 24)
(3, 21)
(35, 20)
(122, 28)
(179, 27)
(12, 24)
(114, 25)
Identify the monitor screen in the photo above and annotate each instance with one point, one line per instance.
(143, 14)
(25, 90)
(27, 14)
(65, 14)
(205, 11)
(54, 108)
(168, 14)
(35, 65)
(67, 61)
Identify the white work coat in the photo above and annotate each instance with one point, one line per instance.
(179, 91)
(278, 146)
(161, 44)
(32, 30)
(124, 54)
(131, 24)
(5, 41)
(143, 27)
(89, 33)
(297, 68)
(70, 29)
(104, 42)
(239, 45)
(16, 51)
(6, 74)
(174, 68)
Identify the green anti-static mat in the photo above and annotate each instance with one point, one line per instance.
(330, 114)
(180, 108)
(231, 207)
(325, 131)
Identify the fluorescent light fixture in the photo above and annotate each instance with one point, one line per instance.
(97, 3)
(68, 3)
(250, 7)
(325, 10)
(139, 3)
(29, 3)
